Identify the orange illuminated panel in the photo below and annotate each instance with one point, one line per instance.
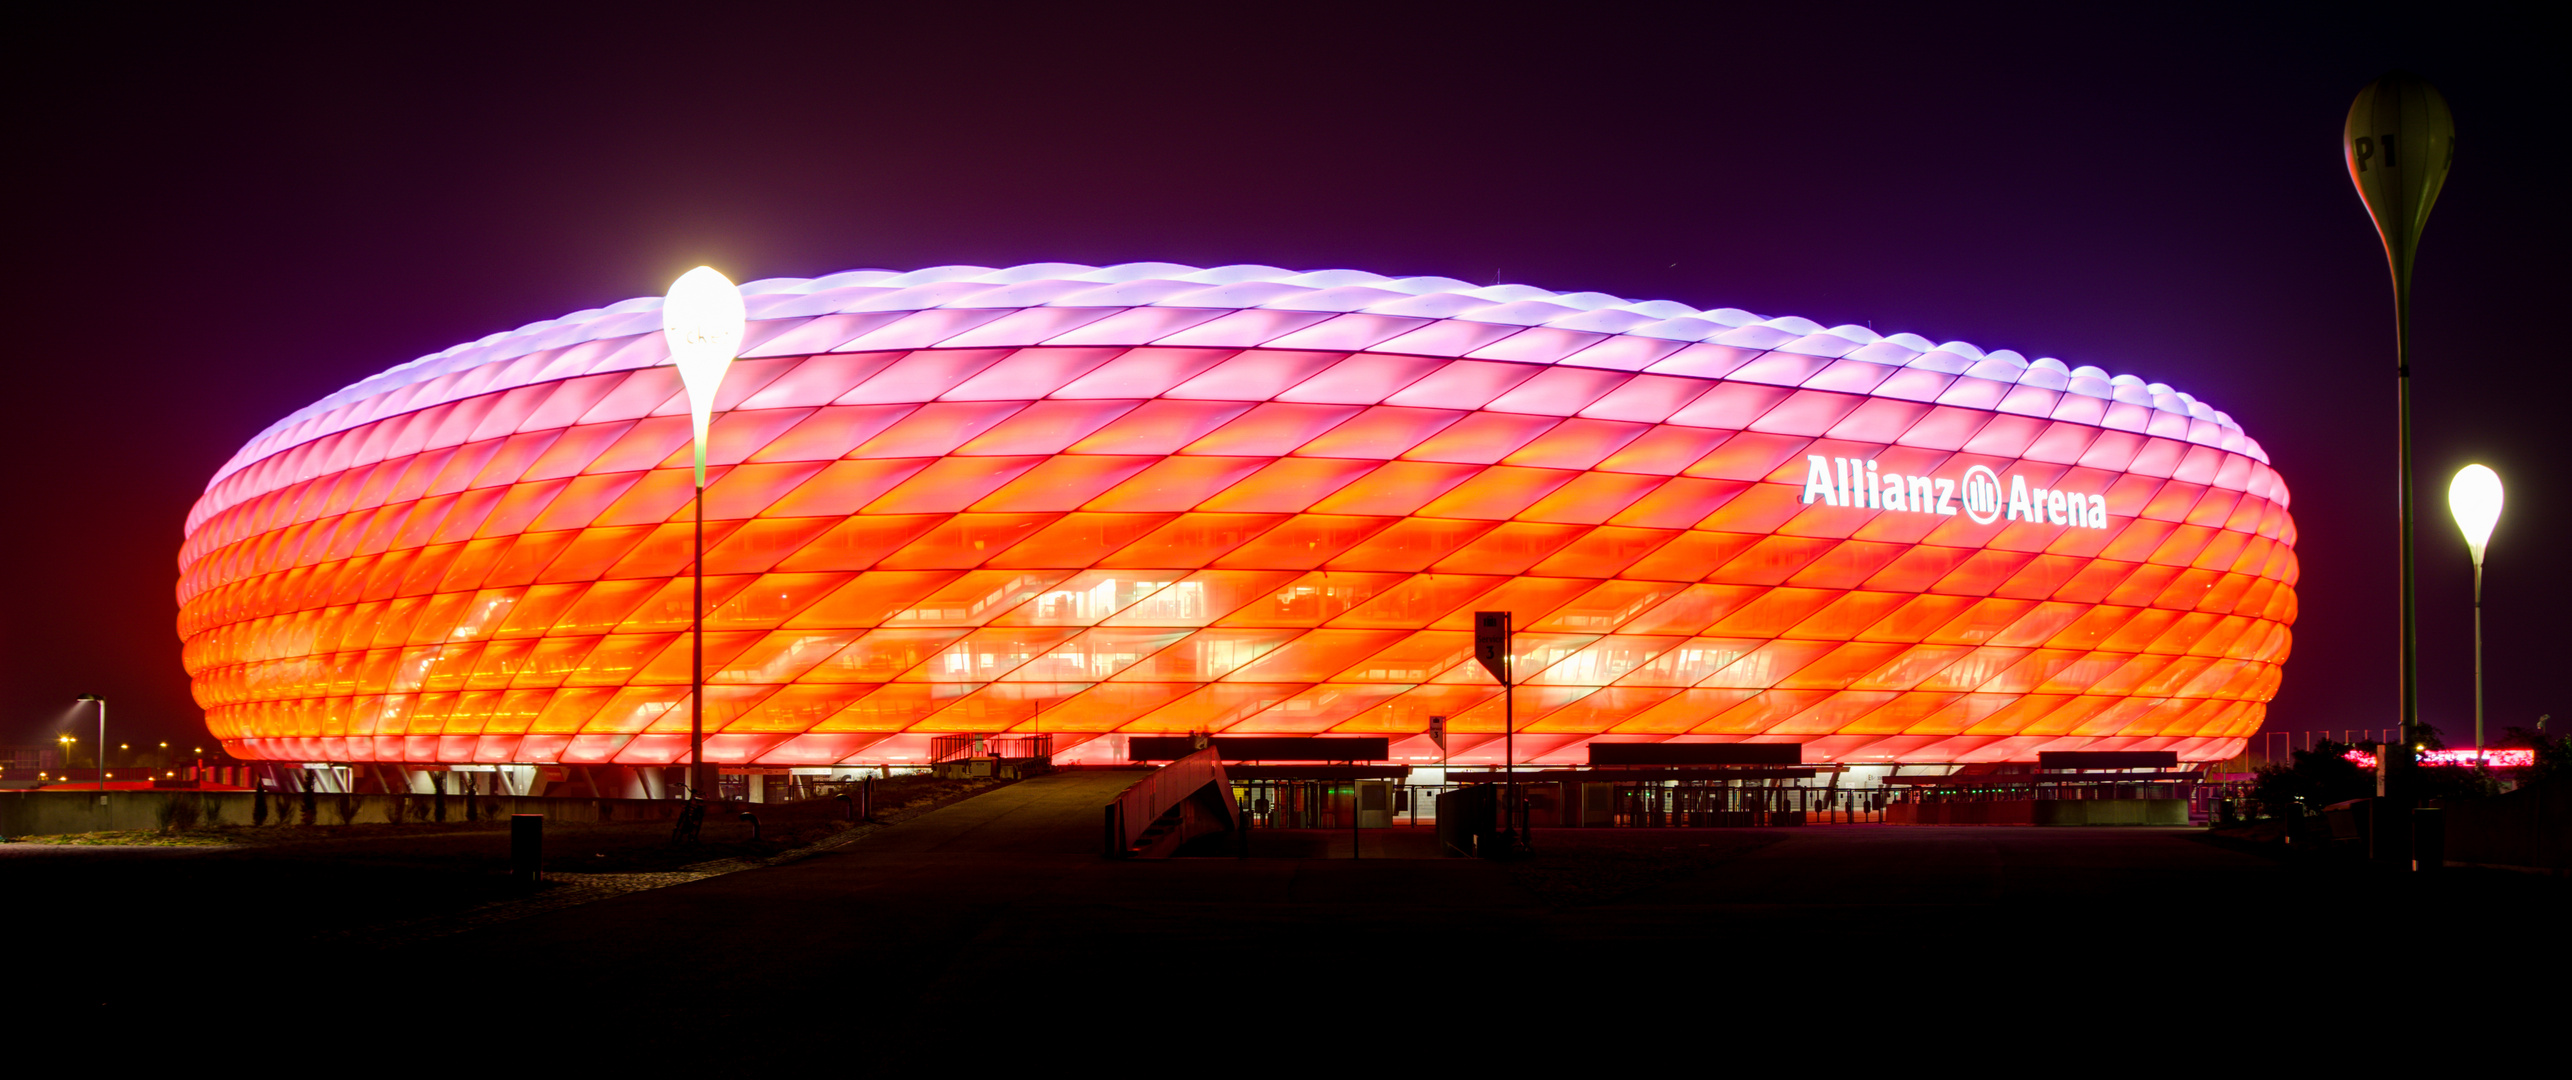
(1276, 517)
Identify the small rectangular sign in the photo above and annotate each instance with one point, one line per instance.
(1438, 731)
(1491, 643)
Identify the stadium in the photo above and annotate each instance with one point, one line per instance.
(1093, 503)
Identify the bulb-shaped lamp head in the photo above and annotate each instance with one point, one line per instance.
(703, 319)
(2398, 144)
(2475, 498)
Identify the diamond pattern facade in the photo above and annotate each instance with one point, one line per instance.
(1154, 498)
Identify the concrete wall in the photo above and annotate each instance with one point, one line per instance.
(2529, 828)
(24, 813)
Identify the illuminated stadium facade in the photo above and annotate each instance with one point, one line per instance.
(1151, 499)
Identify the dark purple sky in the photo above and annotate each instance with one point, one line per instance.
(220, 221)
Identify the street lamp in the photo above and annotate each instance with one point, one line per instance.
(102, 745)
(703, 320)
(2475, 498)
(2398, 143)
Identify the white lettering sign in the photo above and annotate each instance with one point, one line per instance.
(1981, 495)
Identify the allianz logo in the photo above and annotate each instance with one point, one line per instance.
(1980, 496)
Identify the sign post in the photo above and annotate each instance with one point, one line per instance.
(2398, 144)
(1492, 648)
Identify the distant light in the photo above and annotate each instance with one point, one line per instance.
(2475, 498)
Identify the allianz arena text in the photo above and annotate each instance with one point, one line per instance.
(1092, 502)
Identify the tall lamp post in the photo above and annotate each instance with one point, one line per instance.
(703, 320)
(102, 746)
(2398, 143)
(2475, 498)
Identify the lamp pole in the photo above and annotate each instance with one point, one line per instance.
(703, 320)
(2398, 143)
(102, 746)
(2474, 497)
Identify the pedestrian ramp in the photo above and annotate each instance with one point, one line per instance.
(1053, 814)
(1167, 808)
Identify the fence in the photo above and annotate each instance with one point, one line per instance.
(2279, 747)
(946, 748)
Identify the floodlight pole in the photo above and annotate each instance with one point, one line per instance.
(697, 643)
(2474, 497)
(703, 320)
(2398, 142)
(2478, 660)
(1509, 727)
(2410, 674)
(102, 747)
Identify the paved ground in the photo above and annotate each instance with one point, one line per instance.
(998, 910)
(1001, 902)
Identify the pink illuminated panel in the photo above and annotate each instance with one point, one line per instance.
(2493, 759)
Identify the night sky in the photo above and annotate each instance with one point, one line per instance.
(222, 218)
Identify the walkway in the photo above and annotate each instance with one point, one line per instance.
(1055, 814)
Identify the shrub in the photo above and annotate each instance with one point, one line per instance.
(345, 809)
(258, 807)
(2553, 753)
(2319, 777)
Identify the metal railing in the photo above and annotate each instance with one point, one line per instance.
(1134, 811)
(965, 746)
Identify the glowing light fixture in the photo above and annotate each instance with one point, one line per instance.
(2474, 496)
(703, 319)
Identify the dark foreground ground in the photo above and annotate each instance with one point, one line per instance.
(996, 916)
